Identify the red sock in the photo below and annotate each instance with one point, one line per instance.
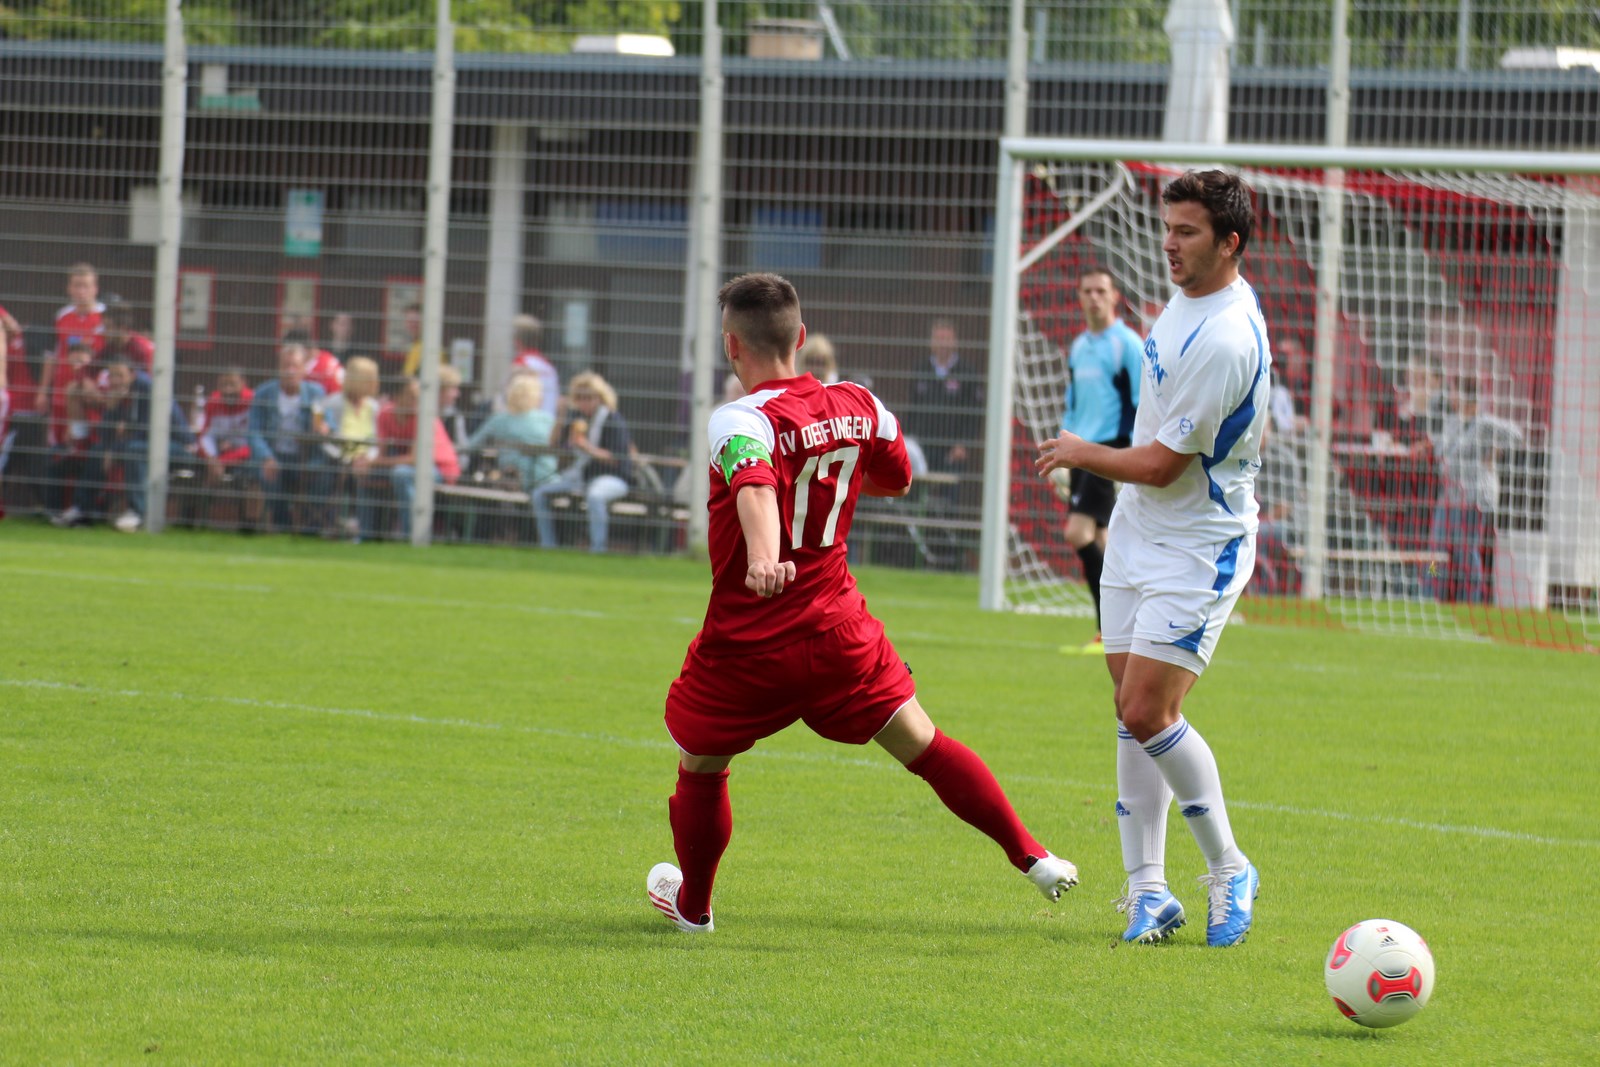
(702, 823)
(963, 781)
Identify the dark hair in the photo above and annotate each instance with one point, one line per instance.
(118, 312)
(764, 310)
(1104, 272)
(296, 335)
(1225, 197)
(81, 346)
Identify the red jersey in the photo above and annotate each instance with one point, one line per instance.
(813, 444)
(19, 378)
(225, 433)
(139, 349)
(397, 434)
(73, 325)
(325, 369)
(532, 361)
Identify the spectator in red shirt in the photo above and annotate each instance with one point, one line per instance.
(19, 376)
(122, 340)
(397, 432)
(225, 427)
(322, 366)
(80, 322)
(528, 332)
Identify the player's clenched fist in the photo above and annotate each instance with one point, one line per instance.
(767, 578)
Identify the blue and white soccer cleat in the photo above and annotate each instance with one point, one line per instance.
(1152, 916)
(662, 884)
(1053, 875)
(1231, 905)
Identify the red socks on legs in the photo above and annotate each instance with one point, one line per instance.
(964, 782)
(702, 823)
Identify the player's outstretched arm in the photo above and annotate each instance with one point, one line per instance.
(766, 574)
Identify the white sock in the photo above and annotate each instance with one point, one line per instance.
(1186, 762)
(1142, 799)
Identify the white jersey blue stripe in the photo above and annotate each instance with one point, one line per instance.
(1207, 376)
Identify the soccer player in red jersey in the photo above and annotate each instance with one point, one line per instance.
(787, 636)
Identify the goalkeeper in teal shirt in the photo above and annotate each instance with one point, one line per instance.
(1103, 371)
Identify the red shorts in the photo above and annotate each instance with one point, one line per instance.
(846, 684)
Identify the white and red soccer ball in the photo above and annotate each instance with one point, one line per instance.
(1379, 973)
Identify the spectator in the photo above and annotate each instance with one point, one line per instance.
(342, 338)
(450, 411)
(411, 318)
(223, 435)
(80, 322)
(16, 390)
(225, 425)
(528, 332)
(19, 375)
(321, 366)
(5, 417)
(1468, 449)
(77, 402)
(1415, 418)
(1291, 392)
(397, 432)
(1281, 496)
(945, 418)
(122, 340)
(352, 419)
(120, 442)
(599, 438)
(285, 417)
(819, 359)
(527, 425)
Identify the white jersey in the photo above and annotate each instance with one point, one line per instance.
(1207, 383)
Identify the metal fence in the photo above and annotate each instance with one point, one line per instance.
(855, 154)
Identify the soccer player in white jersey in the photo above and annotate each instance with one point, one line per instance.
(1181, 547)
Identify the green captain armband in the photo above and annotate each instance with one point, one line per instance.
(741, 452)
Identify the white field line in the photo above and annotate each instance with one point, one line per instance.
(965, 640)
(1488, 832)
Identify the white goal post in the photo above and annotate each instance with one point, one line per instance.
(1400, 261)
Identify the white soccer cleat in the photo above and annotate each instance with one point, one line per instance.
(663, 883)
(1053, 875)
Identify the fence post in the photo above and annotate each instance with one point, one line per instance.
(1330, 264)
(435, 260)
(706, 249)
(174, 75)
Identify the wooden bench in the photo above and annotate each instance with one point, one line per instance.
(1421, 557)
(651, 501)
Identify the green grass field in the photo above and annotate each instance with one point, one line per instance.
(270, 802)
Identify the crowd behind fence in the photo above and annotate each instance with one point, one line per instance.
(858, 156)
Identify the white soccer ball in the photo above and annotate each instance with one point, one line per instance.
(1379, 973)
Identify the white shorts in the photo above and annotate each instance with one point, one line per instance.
(1170, 602)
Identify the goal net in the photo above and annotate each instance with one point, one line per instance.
(1430, 465)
